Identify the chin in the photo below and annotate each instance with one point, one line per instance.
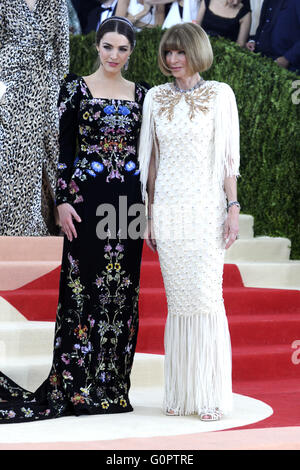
(179, 74)
(110, 69)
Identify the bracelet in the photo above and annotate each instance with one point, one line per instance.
(233, 203)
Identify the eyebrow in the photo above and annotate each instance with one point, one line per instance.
(108, 44)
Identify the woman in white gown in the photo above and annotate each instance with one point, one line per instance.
(189, 160)
(141, 13)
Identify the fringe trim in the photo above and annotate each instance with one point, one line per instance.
(198, 364)
(147, 141)
(227, 135)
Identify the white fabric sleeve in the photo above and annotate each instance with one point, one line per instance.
(147, 140)
(227, 134)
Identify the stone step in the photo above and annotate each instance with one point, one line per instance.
(259, 249)
(30, 371)
(246, 223)
(284, 275)
(18, 339)
(8, 313)
(27, 345)
(15, 274)
(31, 248)
(50, 248)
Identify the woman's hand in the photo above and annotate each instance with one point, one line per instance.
(231, 227)
(149, 236)
(66, 215)
(250, 45)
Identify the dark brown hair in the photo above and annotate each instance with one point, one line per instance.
(116, 24)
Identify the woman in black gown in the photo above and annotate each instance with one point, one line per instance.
(230, 19)
(97, 315)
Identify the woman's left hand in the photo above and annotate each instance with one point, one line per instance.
(231, 227)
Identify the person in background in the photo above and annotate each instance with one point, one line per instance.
(74, 23)
(83, 9)
(278, 33)
(92, 12)
(34, 57)
(230, 19)
(176, 11)
(141, 13)
(103, 10)
(255, 12)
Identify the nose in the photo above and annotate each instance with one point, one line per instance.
(173, 57)
(113, 53)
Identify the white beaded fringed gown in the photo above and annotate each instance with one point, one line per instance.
(196, 141)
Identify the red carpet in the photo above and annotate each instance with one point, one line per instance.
(263, 323)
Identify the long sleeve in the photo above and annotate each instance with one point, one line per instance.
(146, 141)
(62, 40)
(69, 101)
(227, 134)
(293, 53)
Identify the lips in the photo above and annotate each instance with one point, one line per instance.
(113, 64)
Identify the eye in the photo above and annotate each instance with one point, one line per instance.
(181, 52)
(106, 47)
(124, 49)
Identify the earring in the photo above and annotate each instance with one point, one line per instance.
(127, 64)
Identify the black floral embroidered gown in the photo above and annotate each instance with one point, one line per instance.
(97, 316)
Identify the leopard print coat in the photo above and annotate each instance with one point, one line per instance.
(34, 57)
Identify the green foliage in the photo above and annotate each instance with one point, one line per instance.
(269, 187)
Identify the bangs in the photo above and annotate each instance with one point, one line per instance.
(193, 41)
(173, 43)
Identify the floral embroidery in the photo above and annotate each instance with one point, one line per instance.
(74, 282)
(97, 315)
(111, 285)
(107, 139)
(71, 88)
(97, 167)
(130, 166)
(198, 100)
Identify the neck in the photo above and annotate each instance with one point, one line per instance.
(227, 3)
(103, 75)
(186, 83)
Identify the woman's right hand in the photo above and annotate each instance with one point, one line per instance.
(250, 45)
(66, 214)
(149, 236)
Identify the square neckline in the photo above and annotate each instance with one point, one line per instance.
(224, 17)
(91, 97)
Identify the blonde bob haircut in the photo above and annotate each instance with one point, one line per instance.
(193, 40)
